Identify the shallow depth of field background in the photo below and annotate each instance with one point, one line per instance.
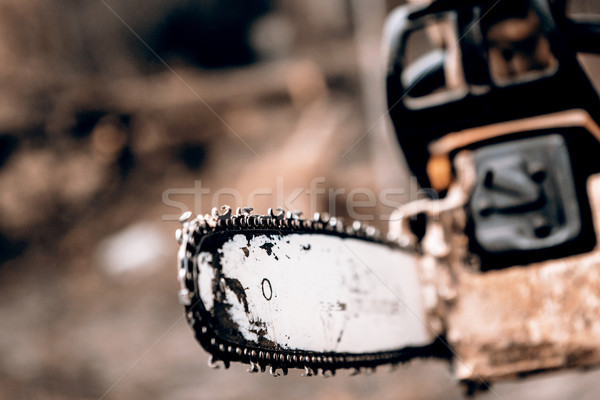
(116, 116)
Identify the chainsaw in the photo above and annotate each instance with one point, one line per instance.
(492, 110)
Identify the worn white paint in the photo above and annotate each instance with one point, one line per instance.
(342, 295)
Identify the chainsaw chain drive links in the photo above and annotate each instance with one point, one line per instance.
(190, 237)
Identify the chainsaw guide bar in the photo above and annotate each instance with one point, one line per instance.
(277, 291)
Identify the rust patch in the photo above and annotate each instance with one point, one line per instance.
(516, 352)
(260, 329)
(236, 287)
(581, 356)
(268, 247)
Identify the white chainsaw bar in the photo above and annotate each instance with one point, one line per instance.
(286, 292)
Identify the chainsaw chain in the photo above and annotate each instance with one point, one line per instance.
(190, 238)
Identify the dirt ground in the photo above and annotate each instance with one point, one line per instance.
(104, 142)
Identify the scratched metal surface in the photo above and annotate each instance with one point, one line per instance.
(283, 292)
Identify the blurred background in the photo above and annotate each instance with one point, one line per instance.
(116, 116)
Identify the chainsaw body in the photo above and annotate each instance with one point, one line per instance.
(494, 112)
